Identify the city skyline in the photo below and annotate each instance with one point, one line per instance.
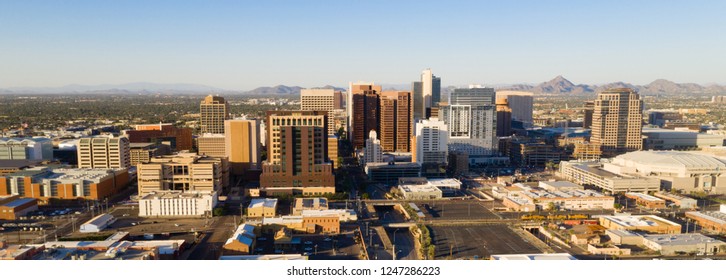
(244, 45)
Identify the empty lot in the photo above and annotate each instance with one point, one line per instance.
(466, 242)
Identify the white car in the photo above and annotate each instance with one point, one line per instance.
(308, 243)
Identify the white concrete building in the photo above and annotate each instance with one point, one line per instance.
(373, 151)
(98, 223)
(431, 138)
(26, 148)
(592, 173)
(177, 204)
(471, 119)
(674, 244)
(683, 171)
(420, 192)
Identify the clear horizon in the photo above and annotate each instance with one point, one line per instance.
(239, 45)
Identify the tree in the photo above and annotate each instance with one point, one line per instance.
(365, 196)
(219, 211)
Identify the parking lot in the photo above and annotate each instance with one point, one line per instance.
(128, 220)
(479, 241)
(316, 246)
(456, 210)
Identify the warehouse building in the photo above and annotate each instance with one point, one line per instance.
(242, 241)
(712, 221)
(679, 200)
(98, 223)
(647, 201)
(309, 203)
(592, 173)
(420, 192)
(679, 244)
(13, 206)
(640, 223)
(262, 207)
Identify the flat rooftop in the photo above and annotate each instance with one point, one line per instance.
(176, 194)
(681, 239)
(419, 188)
(643, 196)
(534, 257)
(18, 202)
(639, 221)
(713, 216)
(263, 202)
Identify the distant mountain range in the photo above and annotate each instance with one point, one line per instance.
(558, 85)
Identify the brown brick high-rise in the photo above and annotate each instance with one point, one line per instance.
(396, 121)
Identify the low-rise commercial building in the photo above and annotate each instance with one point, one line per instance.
(647, 201)
(262, 207)
(610, 250)
(669, 139)
(344, 215)
(712, 221)
(389, 172)
(624, 237)
(242, 241)
(420, 192)
(592, 173)
(556, 195)
(26, 148)
(327, 223)
(98, 223)
(679, 244)
(679, 200)
(309, 203)
(177, 204)
(519, 204)
(13, 206)
(640, 223)
(8, 166)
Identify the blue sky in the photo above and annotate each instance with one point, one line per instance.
(246, 44)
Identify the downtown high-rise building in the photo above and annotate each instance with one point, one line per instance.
(431, 141)
(242, 144)
(617, 121)
(297, 154)
(426, 94)
(504, 117)
(321, 99)
(372, 151)
(363, 111)
(396, 121)
(521, 103)
(213, 110)
(471, 118)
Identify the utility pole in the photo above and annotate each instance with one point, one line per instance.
(393, 251)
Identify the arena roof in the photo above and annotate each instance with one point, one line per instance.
(673, 159)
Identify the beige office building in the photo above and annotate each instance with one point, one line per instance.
(213, 110)
(320, 99)
(242, 144)
(104, 152)
(212, 145)
(617, 121)
(184, 172)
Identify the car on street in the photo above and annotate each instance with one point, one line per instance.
(327, 239)
(308, 243)
(308, 249)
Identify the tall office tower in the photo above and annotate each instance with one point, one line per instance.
(104, 152)
(186, 172)
(363, 112)
(338, 100)
(178, 139)
(373, 152)
(426, 94)
(471, 118)
(521, 103)
(504, 117)
(589, 109)
(213, 111)
(432, 141)
(242, 144)
(617, 121)
(322, 99)
(396, 121)
(333, 150)
(297, 154)
(212, 145)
